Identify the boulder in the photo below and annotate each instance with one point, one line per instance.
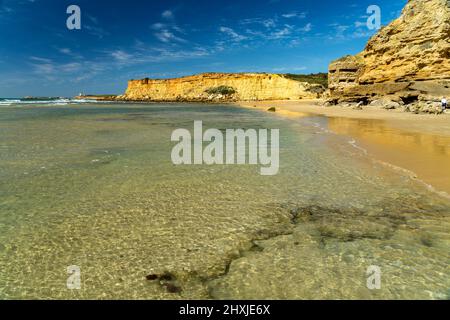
(358, 106)
(430, 107)
(385, 103)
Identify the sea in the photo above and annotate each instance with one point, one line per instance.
(92, 207)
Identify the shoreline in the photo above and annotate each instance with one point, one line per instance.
(416, 143)
(421, 123)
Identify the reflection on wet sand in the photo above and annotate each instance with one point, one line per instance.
(424, 154)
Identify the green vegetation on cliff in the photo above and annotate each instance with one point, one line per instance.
(224, 90)
(313, 78)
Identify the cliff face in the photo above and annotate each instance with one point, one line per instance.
(409, 56)
(221, 87)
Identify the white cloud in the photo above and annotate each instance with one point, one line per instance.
(120, 55)
(167, 31)
(349, 32)
(167, 15)
(95, 31)
(158, 25)
(295, 14)
(4, 9)
(232, 34)
(268, 23)
(65, 51)
(40, 60)
(48, 67)
(167, 36)
(94, 28)
(69, 52)
(44, 68)
(306, 28)
(280, 34)
(70, 67)
(275, 30)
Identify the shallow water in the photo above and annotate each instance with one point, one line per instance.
(424, 154)
(94, 186)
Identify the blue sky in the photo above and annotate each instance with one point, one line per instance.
(122, 40)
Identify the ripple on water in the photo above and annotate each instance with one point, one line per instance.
(219, 232)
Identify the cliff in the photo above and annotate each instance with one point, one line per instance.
(106, 97)
(221, 87)
(409, 58)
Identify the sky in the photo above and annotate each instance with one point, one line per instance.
(133, 39)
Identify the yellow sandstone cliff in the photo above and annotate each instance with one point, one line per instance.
(221, 87)
(409, 59)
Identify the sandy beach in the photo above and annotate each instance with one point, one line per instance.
(419, 143)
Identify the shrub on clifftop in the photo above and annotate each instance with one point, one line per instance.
(223, 90)
(313, 78)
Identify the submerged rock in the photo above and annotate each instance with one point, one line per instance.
(152, 277)
(347, 224)
(171, 288)
(167, 277)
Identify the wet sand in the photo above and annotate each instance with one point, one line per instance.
(419, 144)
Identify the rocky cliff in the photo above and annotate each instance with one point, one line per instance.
(408, 59)
(221, 87)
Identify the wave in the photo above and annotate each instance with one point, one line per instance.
(8, 102)
(413, 176)
(354, 144)
(49, 101)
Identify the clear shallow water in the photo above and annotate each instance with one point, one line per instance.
(94, 186)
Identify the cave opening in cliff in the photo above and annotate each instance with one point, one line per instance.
(364, 100)
(410, 99)
(350, 70)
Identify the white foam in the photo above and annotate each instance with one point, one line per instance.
(56, 102)
(405, 172)
(413, 176)
(354, 144)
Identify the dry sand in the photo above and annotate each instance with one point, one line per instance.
(417, 143)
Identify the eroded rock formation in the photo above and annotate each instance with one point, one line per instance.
(221, 87)
(409, 59)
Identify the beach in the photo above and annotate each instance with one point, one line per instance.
(417, 143)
